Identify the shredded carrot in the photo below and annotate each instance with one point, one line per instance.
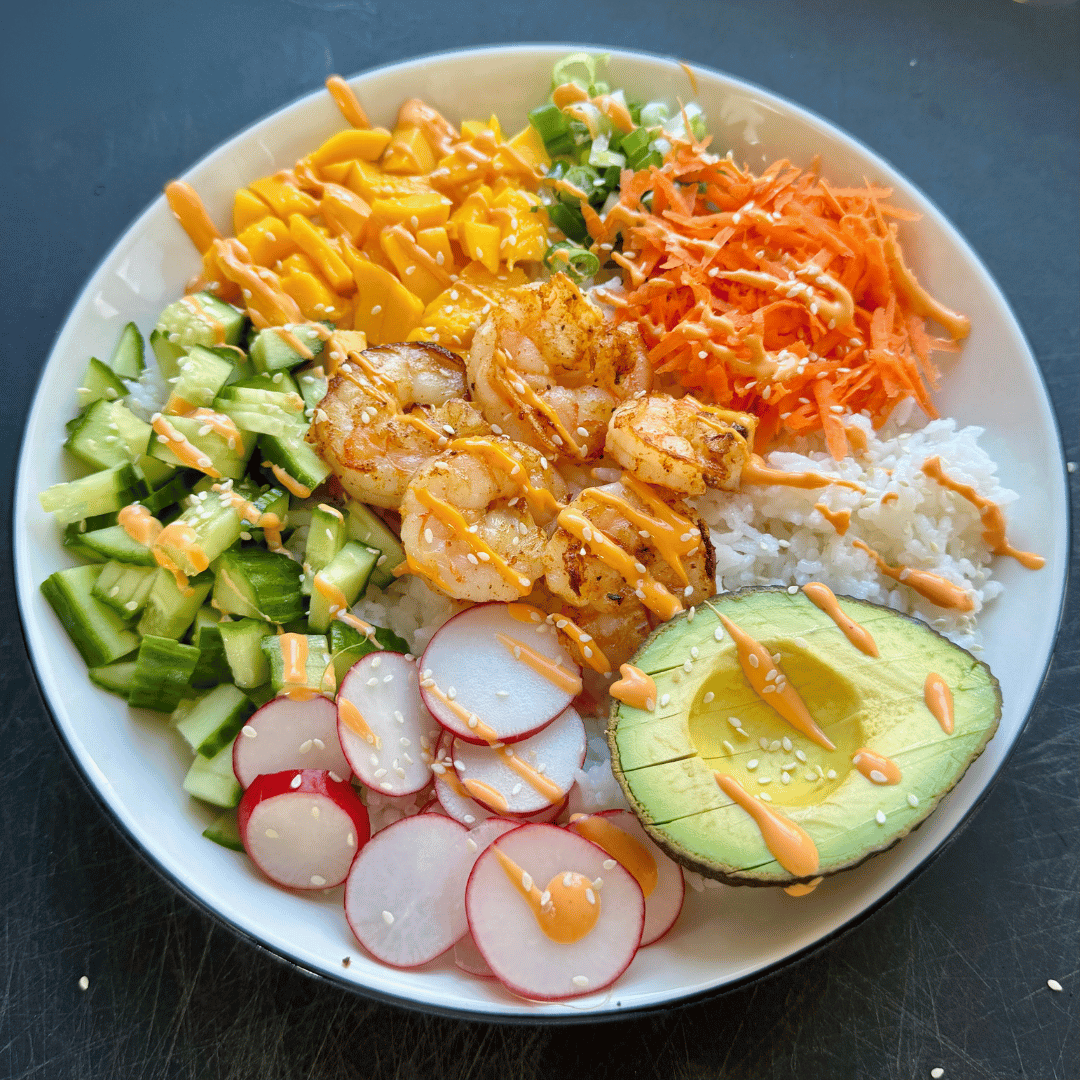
(777, 294)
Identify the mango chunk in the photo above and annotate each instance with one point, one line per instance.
(344, 212)
(523, 223)
(418, 278)
(337, 172)
(284, 196)
(528, 143)
(371, 183)
(436, 243)
(352, 145)
(452, 317)
(421, 211)
(321, 252)
(315, 298)
(296, 263)
(481, 242)
(385, 310)
(408, 152)
(267, 241)
(247, 209)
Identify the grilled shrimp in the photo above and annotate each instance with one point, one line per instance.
(680, 444)
(622, 542)
(548, 369)
(387, 411)
(474, 517)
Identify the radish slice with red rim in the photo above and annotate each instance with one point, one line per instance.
(470, 959)
(567, 868)
(492, 674)
(290, 733)
(661, 880)
(382, 724)
(302, 827)
(528, 777)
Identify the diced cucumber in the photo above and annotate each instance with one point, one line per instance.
(202, 374)
(259, 584)
(325, 538)
(113, 542)
(99, 383)
(155, 473)
(270, 351)
(162, 673)
(344, 578)
(225, 831)
(313, 383)
(212, 779)
(242, 642)
(108, 434)
(124, 588)
(216, 719)
(348, 645)
(99, 634)
(365, 526)
(213, 666)
(168, 353)
(169, 612)
(308, 666)
(268, 412)
(201, 319)
(201, 533)
(73, 541)
(281, 382)
(127, 358)
(116, 678)
(99, 493)
(296, 459)
(230, 461)
(260, 695)
(169, 494)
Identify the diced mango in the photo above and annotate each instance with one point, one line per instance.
(315, 298)
(352, 145)
(420, 333)
(345, 212)
(413, 211)
(453, 316)
(481, 242)
(371, 183)
(523, 223)
(385, 310)
(408, 152)
(337, 172)
(217, 282)
(471, 128)
(418, 279)
(437, 244)
(321, 252)
(475, 208)
(351, 340)
(296, 263)
(284, 197)
(247, 209)
(267, 241)
(528, 143)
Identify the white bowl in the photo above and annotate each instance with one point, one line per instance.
(724, 935)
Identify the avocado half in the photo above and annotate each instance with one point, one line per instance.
(665, 759)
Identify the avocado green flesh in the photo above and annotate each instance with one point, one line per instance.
(665, 760)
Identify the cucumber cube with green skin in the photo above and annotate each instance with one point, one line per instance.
(169, 611)
(116, 678)
(155, 473)
(267, 412)
(124, 588)
(102, 492)
(169, 494)
(162, 675)
(99, 383)
(212, 779)
(229, 461)
(213, 666)
(73, 534)
(271, 352)
(348, 645)
(313, 383)
(167, 353)
(215, 719)
(347, 573)
(294, 457)
(281, 382)
(318, 674)
(201, 319)
(201, 533)
(260, 695)
(108, 434)
(225, 831)
(202, 373)
(242, 641)
(113, 542)
(325, 538)
(127, 358)
(258, 584)
(366, 527)
(99, 634)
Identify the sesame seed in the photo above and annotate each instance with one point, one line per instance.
(718, 633)
(879, 817)
(937, 1074)
(708, 698)
(752, 764)
(580, 981)
(878, 776)
(764, 779)
(764, 796)
(388, 918)
(913, 800)
(590, 896)
(305, 746)
(664, 699)
(786, 743)
(831, 774)
(609, 864)
(753, 660)
(688, 591)
(763, 743)
(1052, 983)
(318, 880)
(296, 781)
(688, 666)
(84, 983)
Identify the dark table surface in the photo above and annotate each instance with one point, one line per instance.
(102, 102)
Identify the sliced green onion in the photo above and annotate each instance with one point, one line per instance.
(635, 143)
(569, 220)
(564, 72)
(654, 114)
(574, 261)
(550, 122)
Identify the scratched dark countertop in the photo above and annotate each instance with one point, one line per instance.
(104, 101)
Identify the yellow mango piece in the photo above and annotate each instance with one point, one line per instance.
(315, 298)
(321, 252)
(523, 223)
(481, 242)
(371, 183)
(452, 317)
(284, 197)
(385, 310)
(337, 172)
(437, 244)
(471, 128)
(296, 263)
(529, 145)
(475, 208)
(421, 333)
(351, 340)
(408, 152)
(413, 211)
(352, 145)
(247, 209)
(216, 281)
(479, 275)
(267, 241)
(417, 278)
(345, 212)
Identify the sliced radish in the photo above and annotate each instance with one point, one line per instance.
(528, 777)
(478, 680)
(382, 724)
(664, 900)
(302, 827)
(288, 733)
(509, 936)
(470, 959)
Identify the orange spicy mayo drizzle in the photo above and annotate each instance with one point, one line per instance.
(572, 905)
(351, 718)
(533, 777)
(294, 654)
(655, 596)
(755, 471)
(803, 888)
(249, 512)
(189, 455)
(520, 391)
(182, 537)
(349, 619)
(334, 597)
(939, 701)
(789, 844)
(625, 849)
(470, 719)
(541, 664)
(840, 520)
(188, 209)
(216, 326)
(139, 524)
(486, 794)
(268, 304)
(993, 519)
(877, 768)
(294, 487)
(757, 663)
(934, 587)
(345, 100)
(222, 424)
(591, 653)
(635, 688)
(821, 596)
